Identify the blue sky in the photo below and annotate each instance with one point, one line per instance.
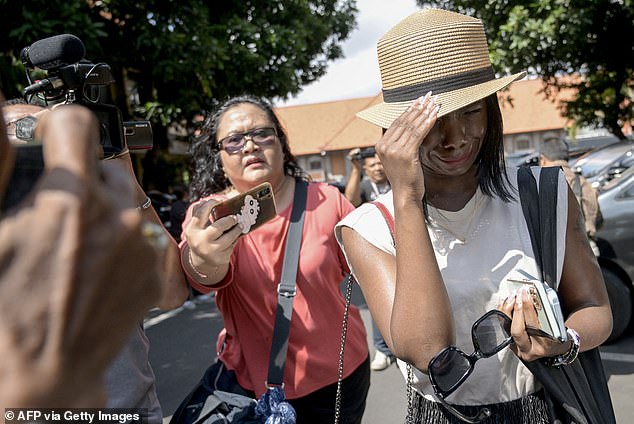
(357, 74)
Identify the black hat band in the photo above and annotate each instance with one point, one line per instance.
(439, 86)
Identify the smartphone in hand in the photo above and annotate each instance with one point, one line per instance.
(546, 303)
(253, 207)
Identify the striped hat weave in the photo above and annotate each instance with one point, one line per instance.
(438, 51)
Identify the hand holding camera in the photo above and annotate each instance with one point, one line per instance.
(68, 251)
(358, 154)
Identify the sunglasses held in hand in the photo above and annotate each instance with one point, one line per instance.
(451, 366)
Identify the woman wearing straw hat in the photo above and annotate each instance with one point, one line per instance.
(459, 229)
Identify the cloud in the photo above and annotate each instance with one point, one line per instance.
(357, 75)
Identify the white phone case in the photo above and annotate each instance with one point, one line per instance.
(546, 302)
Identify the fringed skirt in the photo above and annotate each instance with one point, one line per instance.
(527, 410)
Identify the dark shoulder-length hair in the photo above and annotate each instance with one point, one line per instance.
(207, 174)
(492, 177)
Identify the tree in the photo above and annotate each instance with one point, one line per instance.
(590, 40)
(173, 59)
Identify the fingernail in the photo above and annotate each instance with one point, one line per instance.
(422, 99)
(525, 297)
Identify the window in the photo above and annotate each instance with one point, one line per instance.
(523, 144)
(314, 164)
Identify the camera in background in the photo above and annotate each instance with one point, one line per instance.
(366, 152)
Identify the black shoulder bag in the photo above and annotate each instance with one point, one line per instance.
(218, 397)
(576, 393)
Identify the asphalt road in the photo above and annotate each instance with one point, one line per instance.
(182, 345)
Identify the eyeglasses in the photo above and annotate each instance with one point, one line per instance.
(235, 142)
(451, 366)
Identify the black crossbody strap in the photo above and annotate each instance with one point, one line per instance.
(540, 213)
(548, 184)
(529, 199)
(287, 287)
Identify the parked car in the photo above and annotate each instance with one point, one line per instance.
(525, 158)
(602, 165)
(616, 245)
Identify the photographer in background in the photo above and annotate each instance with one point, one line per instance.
(365, 188)
(69, 248)
(361, 189)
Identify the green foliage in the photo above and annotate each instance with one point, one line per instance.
(173, 59)
(591, 39)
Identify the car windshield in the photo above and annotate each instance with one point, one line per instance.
(595, 162)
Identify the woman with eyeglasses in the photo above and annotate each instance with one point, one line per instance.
(241, 146)
(458, 234)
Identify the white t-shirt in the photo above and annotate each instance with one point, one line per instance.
(477, 249)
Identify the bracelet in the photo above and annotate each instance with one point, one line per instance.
(145, 205)
(191, 265)
(570, 356)
(123, 152)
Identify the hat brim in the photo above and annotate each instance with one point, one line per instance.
(384, 114)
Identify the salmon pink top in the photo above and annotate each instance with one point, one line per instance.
(247, 299)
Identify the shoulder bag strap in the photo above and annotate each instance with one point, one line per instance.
(539, 209)
(548, 185)
(286, 289)
(389, 219)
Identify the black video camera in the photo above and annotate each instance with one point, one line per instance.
(366, 152)
(72, 79)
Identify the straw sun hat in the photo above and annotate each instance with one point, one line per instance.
(436, 50)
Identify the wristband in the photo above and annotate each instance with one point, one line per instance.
(145, 205)
(570, 356)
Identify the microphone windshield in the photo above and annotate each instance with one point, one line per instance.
(54, 52)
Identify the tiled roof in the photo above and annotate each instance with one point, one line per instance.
(329, 126)
(318, 127)
(531, 111)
